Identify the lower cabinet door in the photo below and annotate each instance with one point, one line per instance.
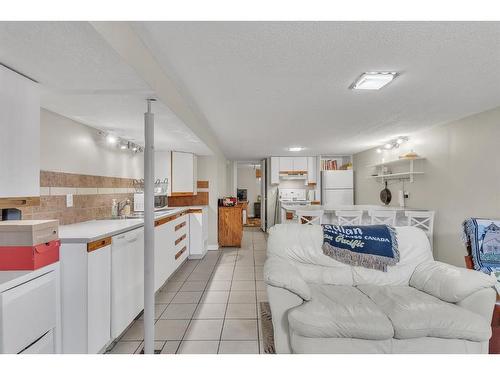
(99, 299)
(44, 345)
(27, 312)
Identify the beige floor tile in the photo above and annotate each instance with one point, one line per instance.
(199, 276)
(240, 329)
(244, 276)
(243, 285)
(170, 347)
(242, 296)
(125, 347)
(134, 332)
(239, 347)
(179, 311)
(260, 285)
(164, 297)
(159, 309)
(224, 276)
(215, 296)
(198, 347)
(193, 286)
(219, 285)
(241, 311)
(187, 297)
(210, 311)
(208, 329)
(170, 329)
(158, 346)
(171, 286)
(244, 268)
(259, 274)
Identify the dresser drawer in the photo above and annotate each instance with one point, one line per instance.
(28, 311)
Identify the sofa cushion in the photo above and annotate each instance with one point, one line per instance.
(282, 274)
(449, 283)
(339, 311)
(416, 314)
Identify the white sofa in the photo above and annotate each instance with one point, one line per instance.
(319, 305)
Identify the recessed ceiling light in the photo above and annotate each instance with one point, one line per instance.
(295, 149)
(388, 146)
(373, 80)
(111, 139)
(123, 146)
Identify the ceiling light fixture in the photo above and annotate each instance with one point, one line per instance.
(295, 149)
(373, 80)
(111, 139)
(123, 146)
(395, 143)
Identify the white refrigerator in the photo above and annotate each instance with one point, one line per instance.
(337, 188)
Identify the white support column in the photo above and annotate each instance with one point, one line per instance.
(149, 238)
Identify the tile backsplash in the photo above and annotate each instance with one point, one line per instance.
(92, 196)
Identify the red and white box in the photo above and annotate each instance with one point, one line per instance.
(28, 244)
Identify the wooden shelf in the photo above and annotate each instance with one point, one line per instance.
(390, 162)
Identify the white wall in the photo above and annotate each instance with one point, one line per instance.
(246, 180)
(462, 177)
(69, 146)
(214, 170)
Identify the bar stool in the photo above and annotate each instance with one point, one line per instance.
(387, 217)
(423, 220)
(349, 217)
(310, 217)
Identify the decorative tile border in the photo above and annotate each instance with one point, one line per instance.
(73, 180)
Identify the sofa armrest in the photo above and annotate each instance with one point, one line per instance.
(449, 283)
(481, 302)
(282, 274)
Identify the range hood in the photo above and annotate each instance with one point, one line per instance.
(293, 176)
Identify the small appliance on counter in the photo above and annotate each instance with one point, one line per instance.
(160, 201)
(27, 245)
(229, 201)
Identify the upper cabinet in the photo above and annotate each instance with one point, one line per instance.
(293, 164)
(163, 167)
(300, 164)
(311, 170)
(286, 164)
(184, 174)
(19, 140)
(275, 170)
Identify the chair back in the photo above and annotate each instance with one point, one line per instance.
(387, 217)
(310, 217)
(349, 217)
(423, 220)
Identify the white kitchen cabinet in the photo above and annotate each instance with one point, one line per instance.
(127, 279)
(163, 168)
(286, 164)
(86, 296)
(275, 170)
(311, 170)
(99, 298)
(184, 179)
(180, 236)
(19, 137)
(30, 310)
(164, 265)
(198, 234)
(300, 163)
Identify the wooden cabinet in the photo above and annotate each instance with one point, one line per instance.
(19, 140)
(184, 174)
(231, 226)
(311, 170)
(275, 170)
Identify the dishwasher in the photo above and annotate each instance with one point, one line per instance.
(127, 279)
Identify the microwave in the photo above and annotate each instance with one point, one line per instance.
(160, 201)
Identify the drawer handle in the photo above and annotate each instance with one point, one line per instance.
(180, 252)
(179, 226)
(180, 239)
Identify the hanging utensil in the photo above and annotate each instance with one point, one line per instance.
(386, 195)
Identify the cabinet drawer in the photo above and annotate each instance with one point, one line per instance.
(28, 311)
(44, 345)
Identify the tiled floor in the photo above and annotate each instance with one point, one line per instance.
(209, 305)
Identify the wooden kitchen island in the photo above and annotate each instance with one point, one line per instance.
(231, 225)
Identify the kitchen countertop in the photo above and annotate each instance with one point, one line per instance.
(93, 230)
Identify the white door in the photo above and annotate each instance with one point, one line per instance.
(127, 279)
(311, 170)
(337, 179)
(182, 172)
(338, 197)
(162, 254)
(275, 170)
(99, 299)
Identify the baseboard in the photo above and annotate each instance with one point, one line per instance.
(213, 247)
